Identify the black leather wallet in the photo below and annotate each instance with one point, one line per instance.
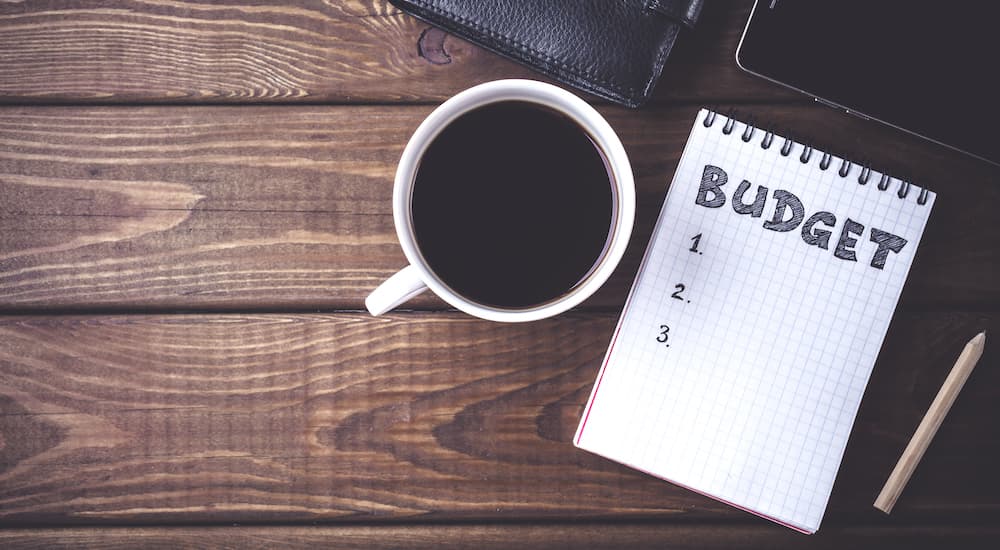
(614, 49)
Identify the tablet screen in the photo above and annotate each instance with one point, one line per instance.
(927, 67)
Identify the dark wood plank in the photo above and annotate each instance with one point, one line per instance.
(504, 537)
(302, 51)
(227, 208)
(431, 416)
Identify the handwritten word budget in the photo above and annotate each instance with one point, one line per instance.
(751, 330)
(789, 212)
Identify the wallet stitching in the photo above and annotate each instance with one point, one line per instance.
(524, 48)
(661, 58)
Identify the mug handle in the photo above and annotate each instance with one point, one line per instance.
(403, 285)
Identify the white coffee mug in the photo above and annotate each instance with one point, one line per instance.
(418, 276)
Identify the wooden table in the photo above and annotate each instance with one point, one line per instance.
(194, 202)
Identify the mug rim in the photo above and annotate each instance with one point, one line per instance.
(555, 98)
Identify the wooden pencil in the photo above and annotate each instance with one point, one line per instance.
(931, 422)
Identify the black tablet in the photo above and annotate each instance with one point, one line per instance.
(930, 68)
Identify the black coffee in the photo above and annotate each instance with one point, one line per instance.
(512, 205)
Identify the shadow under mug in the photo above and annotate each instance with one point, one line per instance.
(418, 276)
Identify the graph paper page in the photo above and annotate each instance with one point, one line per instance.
(744, 348)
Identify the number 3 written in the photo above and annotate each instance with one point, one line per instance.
(662, 338)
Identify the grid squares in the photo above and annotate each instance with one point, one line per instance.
(753, 396)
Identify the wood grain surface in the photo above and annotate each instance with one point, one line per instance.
(345, 51)
(432, 416)
(250, 208)
(612, 536)
(194, 202)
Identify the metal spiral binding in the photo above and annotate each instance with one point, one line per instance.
(749, 129)
(768, 138)
(748, 132)
(728, 128)
(866, 173)
(786, 149)
(824, 162)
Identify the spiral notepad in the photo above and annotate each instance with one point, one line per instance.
(748, 338)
